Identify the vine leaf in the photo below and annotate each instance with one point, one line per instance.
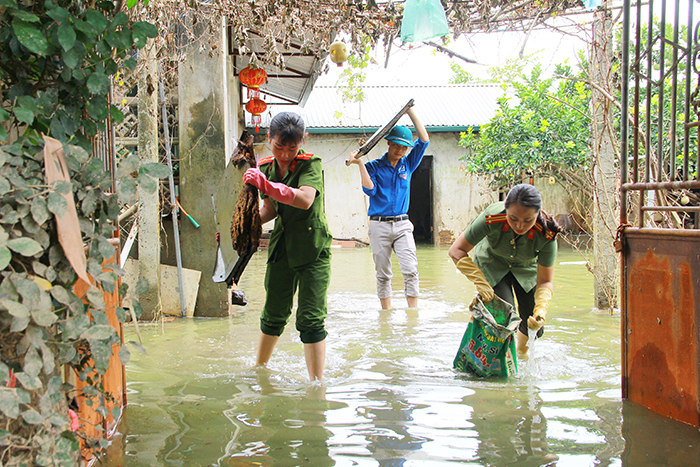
(155, 169)
(141, 31)
(32, 363)
(66, 36)
(57, 204)
(24, 115)
(9, 403)
(124, 355)
(98, 332)
(19, 324)
(43, 317)
(30, 36)
(5, 257)
(24, 246)
(4, 184)
(8, 3)
(28, 382)
(15, 308)
(98, 83)
(67, 224)
(40, 212)
(33, 417)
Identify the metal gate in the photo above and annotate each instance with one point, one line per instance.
(659, 206)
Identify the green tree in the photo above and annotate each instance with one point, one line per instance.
(540, 129)
(56, 62)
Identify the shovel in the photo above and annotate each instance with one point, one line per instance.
(219, 274)
(382, 132)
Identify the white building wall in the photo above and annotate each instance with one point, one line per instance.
(458, 197)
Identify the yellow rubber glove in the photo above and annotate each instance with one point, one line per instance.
(542, 297)
(467, 267)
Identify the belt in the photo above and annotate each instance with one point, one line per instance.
(402, 217)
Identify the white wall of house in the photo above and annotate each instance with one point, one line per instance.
(458, 196)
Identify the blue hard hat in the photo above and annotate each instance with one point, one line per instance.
(400, 135)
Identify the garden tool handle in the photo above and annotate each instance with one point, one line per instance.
(194, 222)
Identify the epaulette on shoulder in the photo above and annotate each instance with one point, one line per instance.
(266, 160)
(304, 156)
(548, 234)
(495, 218)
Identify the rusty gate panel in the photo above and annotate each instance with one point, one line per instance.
(659, 188)
(660, 342)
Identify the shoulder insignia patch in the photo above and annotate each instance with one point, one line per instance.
(495, 218)
(548, 234)
(304, 156)
(266, 160)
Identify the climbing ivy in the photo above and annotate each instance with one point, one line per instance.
(57, 59)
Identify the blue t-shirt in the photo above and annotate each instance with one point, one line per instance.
(392, 185)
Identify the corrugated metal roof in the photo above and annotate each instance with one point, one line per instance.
(450, 107)
(295, 82)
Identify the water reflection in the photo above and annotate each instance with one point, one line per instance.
(274, 427)
(514, 434)
(390, 397)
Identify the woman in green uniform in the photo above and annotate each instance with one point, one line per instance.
(299, 256)
(515, 248)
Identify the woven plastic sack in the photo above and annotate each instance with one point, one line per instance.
(423, 20)
(488, 344)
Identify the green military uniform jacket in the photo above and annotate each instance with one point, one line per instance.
(497, 251)
(305, 232)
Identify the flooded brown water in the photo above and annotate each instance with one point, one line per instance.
(390, 396)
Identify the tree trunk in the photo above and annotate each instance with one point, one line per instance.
(605, 176)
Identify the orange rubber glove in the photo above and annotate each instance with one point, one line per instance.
(542, 297)
(467, 267)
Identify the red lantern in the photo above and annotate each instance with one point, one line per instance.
(256, 107)
(253, 78)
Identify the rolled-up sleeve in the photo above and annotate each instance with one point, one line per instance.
(415, 157)
(372, 176)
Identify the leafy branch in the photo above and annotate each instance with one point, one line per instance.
(58, 58)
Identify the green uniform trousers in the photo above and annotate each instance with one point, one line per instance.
(281, 283)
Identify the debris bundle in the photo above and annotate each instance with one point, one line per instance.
(246, 227)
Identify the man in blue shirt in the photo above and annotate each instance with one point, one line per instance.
(387, 182)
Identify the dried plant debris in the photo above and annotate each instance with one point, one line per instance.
(311, 25)
(246, 227)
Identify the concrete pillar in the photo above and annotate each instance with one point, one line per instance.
(605, 215)
(207, 102)
(149, 206)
